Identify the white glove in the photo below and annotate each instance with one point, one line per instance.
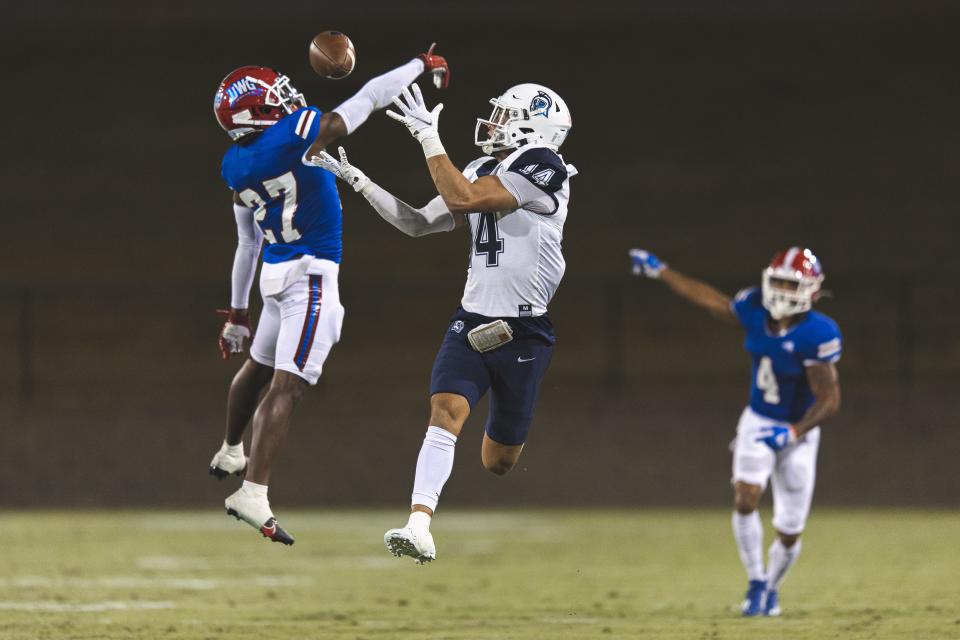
(234, 335)
(342, 169)
(419, 121)
(235, 330)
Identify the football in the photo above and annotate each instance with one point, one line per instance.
(332, 55)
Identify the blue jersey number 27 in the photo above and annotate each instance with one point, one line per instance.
(487, 241)
(285, 184)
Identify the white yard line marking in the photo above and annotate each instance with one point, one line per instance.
(171, 563)
(148, 582)
(83, 607)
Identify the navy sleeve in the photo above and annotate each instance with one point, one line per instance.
(542, 167)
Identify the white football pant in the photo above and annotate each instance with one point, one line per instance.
(300, 324)
(792, 471)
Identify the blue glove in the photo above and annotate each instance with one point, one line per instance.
(645, 263)
(778, 437)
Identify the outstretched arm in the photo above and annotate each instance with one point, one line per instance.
(485, 195)
(693, 290)
(432, 218)
(375, 94)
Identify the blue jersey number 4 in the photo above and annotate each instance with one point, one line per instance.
(488, 242)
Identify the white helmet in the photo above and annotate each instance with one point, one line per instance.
(524, 114)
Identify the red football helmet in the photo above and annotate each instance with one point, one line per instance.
(253, 98)
(791, 283)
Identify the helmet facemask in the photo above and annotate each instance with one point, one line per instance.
(786, 293)
(498, 134)
(284, 95)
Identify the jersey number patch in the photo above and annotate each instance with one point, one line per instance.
(488, 241)
(287, 185)
(767, 381)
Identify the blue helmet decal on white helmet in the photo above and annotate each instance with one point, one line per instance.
(540, 105)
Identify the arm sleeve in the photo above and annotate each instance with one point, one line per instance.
(529, 196)
(377, 94)
(744, 303)
(434, 217)
(249, 239)
(823, 346)
(544, 173)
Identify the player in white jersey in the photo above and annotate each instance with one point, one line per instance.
(514, 200)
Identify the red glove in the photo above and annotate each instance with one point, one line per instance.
(437, 65)
(235, 329)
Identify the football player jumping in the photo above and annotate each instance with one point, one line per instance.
(794, 388)
(279, 195)
(514, 202)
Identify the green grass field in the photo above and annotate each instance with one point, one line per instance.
(500, 575)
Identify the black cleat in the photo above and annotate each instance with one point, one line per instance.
(220, 474)
(270, 529)
(275, 532)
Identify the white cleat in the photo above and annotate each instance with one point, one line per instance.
(415, 542)
(255, 511)
(228, 460)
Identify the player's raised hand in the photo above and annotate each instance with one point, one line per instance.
(235, 330)
(437, 66)
(645, 263)
(777, 437)
(342, 169)
(414, 115)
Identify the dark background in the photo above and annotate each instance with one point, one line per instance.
(709, 133)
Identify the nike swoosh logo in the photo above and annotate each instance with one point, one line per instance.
(520, 359)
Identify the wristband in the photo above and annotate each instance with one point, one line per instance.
(431, 144)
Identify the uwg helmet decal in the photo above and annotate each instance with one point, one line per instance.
(540, 105)
(242, 88)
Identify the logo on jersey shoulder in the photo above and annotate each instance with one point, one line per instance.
(457, 326)
(540, 105)
(788, 346)
(245, 86)
(538, 175)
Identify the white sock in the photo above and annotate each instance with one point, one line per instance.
(254, 488)
(434, 465)
(235, 449)
(419, 519)
(748, 532)
(780, 559)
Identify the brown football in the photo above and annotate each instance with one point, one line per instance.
(332, 55)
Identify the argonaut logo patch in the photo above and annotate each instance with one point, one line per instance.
(540, 105)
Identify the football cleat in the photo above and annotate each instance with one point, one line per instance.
(228, 460)
(255, 511)
(415, 542)
(753, 602)
(772, 605)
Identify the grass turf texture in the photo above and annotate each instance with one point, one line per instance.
(540, 574)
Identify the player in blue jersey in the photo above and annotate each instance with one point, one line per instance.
(282, 198)
(794, 388)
